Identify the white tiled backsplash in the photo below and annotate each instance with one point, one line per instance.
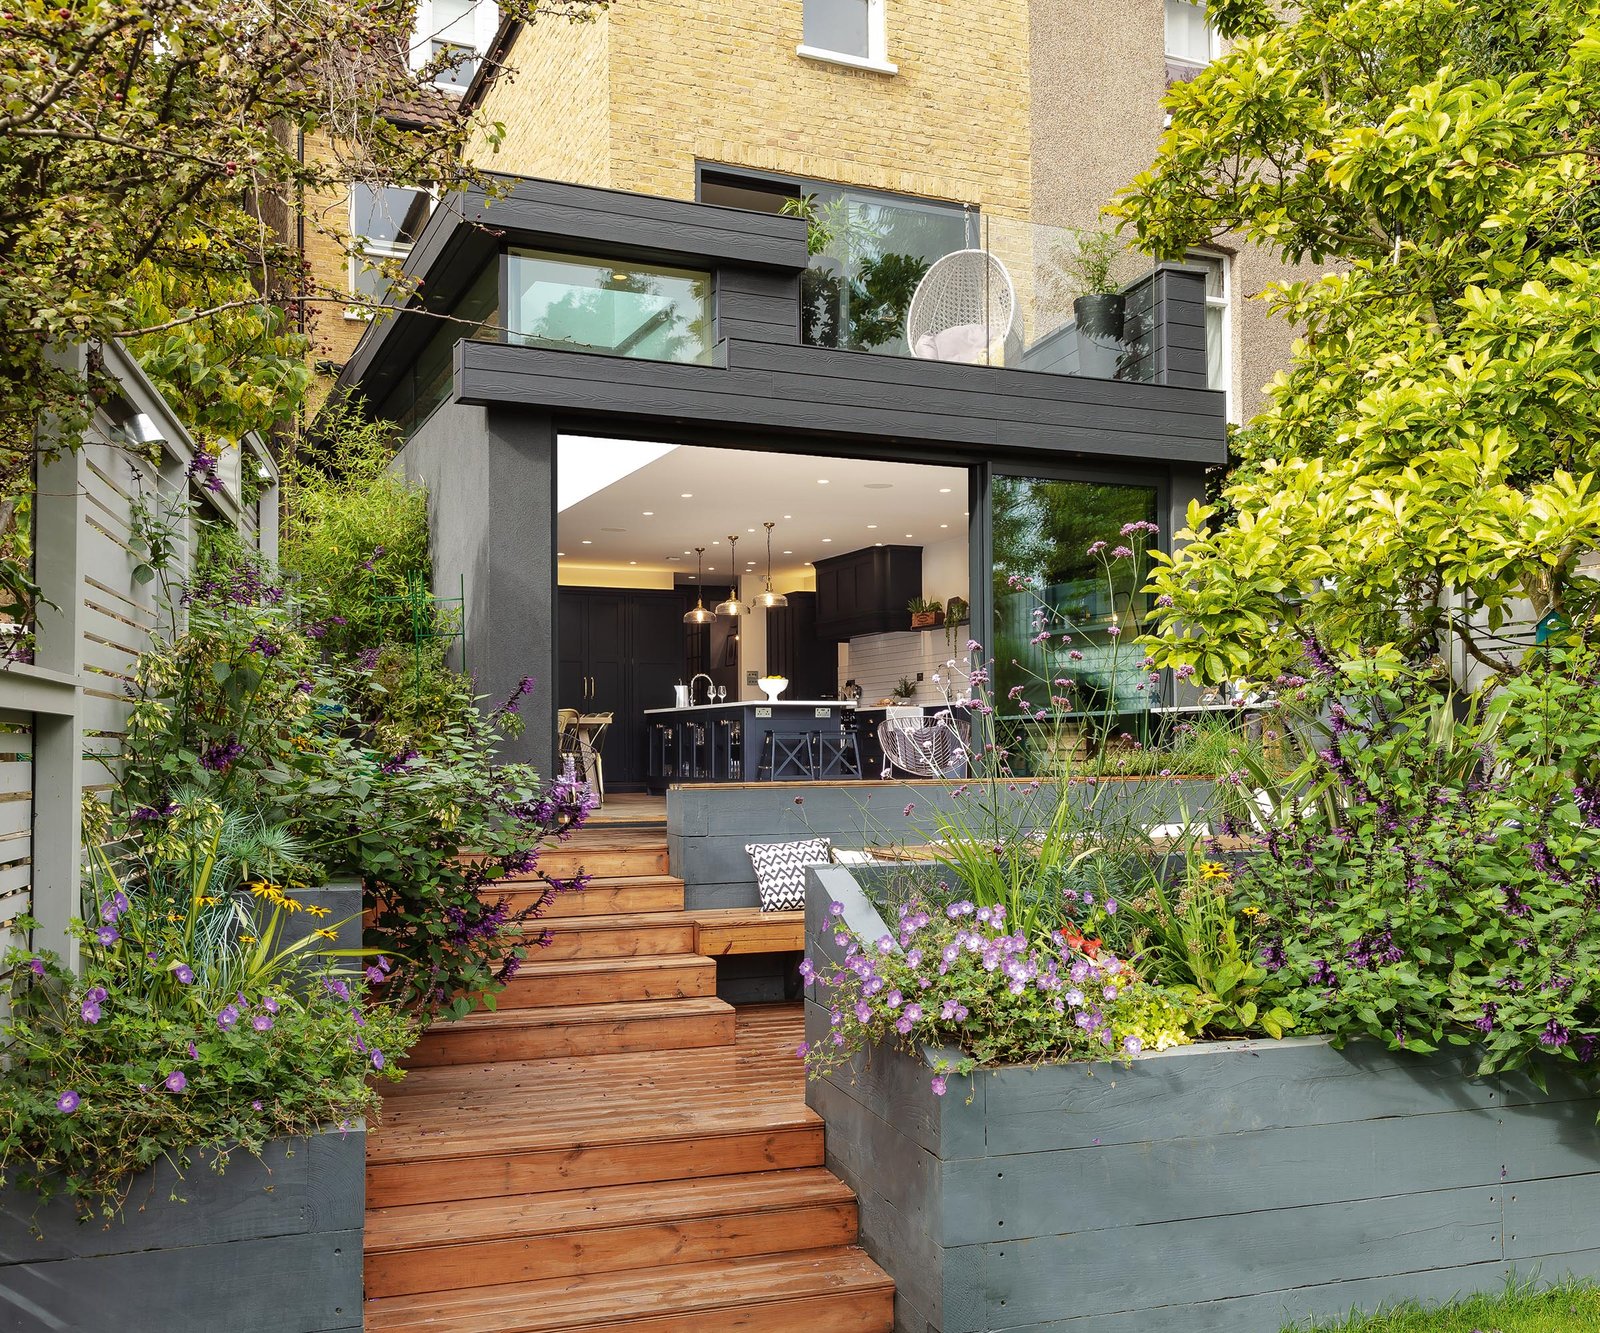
(877, 661)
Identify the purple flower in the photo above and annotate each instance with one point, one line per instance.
(68, 1102)
(270, 1005)
(377, 1059)
(36, 966)
(1132, 1045)
(939, 1084)
(184, 974)
(194, 1051)
(334, 986)
(175, 1081)
(265, 646)
(90, 1011)
(97, 994)
(1554, 1034)
(221, 756)
(107, 936)
(910, 806)
(1485, 1022)
(255, 1105)
(149, 813)
(261, 1023)
(227, 1018)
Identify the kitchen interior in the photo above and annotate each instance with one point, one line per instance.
(732, 615)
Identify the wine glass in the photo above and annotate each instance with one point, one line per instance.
(722, 693)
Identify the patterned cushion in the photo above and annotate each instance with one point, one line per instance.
(781, 871)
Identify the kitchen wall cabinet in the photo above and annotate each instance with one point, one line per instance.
(866, 591)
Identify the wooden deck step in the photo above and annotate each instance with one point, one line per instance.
(485, 1131)
(819, 1291)
(606, 854)
(620, 935)
(583, 1029)
(605, 897)
(483, 1242)
(720, 931)
(544, 982)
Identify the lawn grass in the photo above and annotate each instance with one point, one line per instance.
(1522, 1308)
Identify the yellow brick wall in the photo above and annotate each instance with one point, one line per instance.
(333, 337)
(554, 101)
(719, 81)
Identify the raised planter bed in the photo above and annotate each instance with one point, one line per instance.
(271, 1246)
(1217, 1188)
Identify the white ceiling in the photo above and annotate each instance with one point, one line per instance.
(652, 518)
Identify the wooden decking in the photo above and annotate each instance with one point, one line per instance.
(615, 1148)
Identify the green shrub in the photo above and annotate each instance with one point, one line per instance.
(354, 532)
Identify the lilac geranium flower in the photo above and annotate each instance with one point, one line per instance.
(89, 1011)
(939, 1085)
(184, 974)
(227, 1018)
(107, 936)
(175, 1081)
(261, 1023)
(68, 1102)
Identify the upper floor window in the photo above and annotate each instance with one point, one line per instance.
(1219, 359)
(451, 37)
(847, 32)
(1192, 43)
(385, 221)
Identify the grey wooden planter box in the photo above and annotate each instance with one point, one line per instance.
(271, 1246)
(1217, 1188)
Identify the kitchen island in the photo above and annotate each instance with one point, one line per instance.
(791, 740)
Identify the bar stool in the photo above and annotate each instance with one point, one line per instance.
(838, 756)
(786, 758)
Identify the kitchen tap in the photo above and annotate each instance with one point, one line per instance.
(711, 686)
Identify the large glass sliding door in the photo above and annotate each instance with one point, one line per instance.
(1057, 567)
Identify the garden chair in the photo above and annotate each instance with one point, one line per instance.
(923, 747)
(965, 309)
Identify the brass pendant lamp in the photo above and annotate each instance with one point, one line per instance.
(699, 616)
(733, 606)
(769, 600)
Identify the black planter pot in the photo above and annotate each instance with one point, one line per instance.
(1101, 315)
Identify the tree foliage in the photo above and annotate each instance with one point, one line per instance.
(1424, 469)
(151, 155)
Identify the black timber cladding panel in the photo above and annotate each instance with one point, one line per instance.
(816, 391)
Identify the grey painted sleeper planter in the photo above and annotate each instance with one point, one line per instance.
(1227, 1187)
(270, 1246)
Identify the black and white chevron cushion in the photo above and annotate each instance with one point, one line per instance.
(781, 871)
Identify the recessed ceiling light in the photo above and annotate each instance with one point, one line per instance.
(686, 495)
(788, 552)
(908, 534)
(944, 490)
(788, 515)
(649, 513)
(559, 554)
(711, 569)
(688, 553)
(633, 562)
(826, 540)
(715, 542)
(944, 525)
(749, 529)
(877, 543)
(822, 481)
(587, 542)
(872, 525)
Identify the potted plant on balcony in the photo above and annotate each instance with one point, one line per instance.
(1099, 309)
(925, 614)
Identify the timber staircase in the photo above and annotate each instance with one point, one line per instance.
(614, 1148)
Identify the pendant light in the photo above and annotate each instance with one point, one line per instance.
(699, 616)
(769, 600)
(733, 606)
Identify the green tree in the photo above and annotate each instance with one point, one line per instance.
(1427, 460)
(151, 152)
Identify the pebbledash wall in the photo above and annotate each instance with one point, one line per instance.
(1227, 1187)
(648, 91)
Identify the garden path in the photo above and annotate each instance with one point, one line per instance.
(615, 1148)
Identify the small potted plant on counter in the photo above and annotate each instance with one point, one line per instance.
(925, 614)
(906, 690)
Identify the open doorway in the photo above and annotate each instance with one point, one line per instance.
(667, 585)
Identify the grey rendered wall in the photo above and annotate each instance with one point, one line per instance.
(272, 1246)
(708, 827)
(1221, 1188)
(490, 476)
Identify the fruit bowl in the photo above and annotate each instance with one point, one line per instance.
(773, 686)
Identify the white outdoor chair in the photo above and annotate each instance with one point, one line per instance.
(935, 747)
(965, 309)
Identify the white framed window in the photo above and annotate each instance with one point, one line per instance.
(846, 32)
(451, 36)
(1219, 321)
(385, 221)
(1192, 43)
